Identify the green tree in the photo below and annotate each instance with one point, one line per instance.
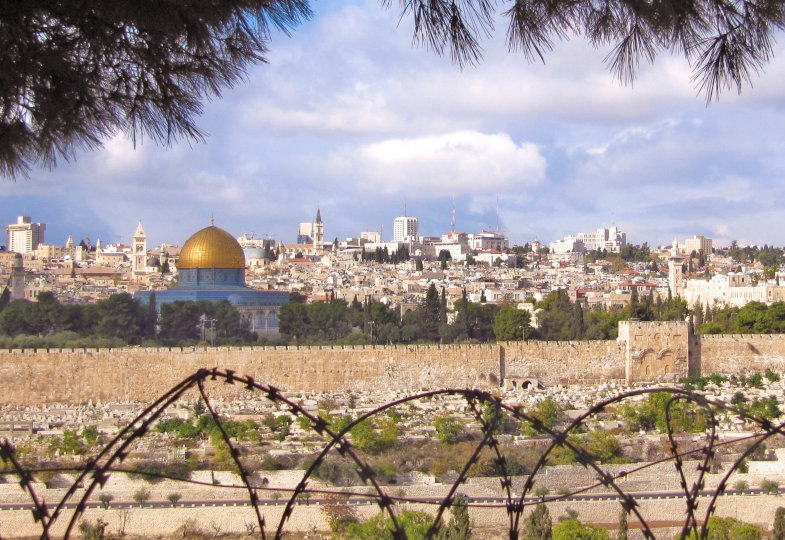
(12, 318)
(510, 323)
(538, 525)
(5, 298)
(447, 429)
(151, 317)
(328, 320)
(120, 316)
(79, 72)
(603, 445)
(459, 527)
(364, 436)
(560, 318)
(429, 314)
(601, 324)
(179, 321)
(728, 528)
(622, 534)
(142, 495)
(228, 323)
(293, 319)
(779, 524)
(380, 527)
(105, 499)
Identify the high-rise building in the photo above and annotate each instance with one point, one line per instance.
(24, 235)
(698, 244)
(405, 229)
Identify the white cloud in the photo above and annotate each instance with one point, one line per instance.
(457, 163)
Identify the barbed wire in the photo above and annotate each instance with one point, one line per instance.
(489, 411)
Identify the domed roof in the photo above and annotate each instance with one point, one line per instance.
(211, 248)
(254, 253)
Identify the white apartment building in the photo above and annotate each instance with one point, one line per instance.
(611, 239)
(569, 244)
(24, 235)
(405, 229)
(488, 240)
(698, 244)
(371, 236)
(457, 251)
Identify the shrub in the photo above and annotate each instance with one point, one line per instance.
(718, 527)
(414, 524)
(92, 531)
(155, 471)
(105, 499)
(304, 422)
(759, 453)
(771, 487)
(447, 429)
(142, 495)
(572, 529)
(91, 435)
(338, 513)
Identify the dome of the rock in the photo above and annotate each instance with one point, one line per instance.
(212, 267)
(211, 247)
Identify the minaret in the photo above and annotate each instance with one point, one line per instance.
(139, 251)
(674, 271)
(318, 231)
(17, 280)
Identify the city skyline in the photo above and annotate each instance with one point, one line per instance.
(348, 117)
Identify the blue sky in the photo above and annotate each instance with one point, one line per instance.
(349, 117)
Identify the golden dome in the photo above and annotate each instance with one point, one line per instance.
(211, 248)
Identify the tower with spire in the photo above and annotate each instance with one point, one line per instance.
(318, 231)
(139, 251)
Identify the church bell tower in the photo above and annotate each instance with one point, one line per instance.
(139, 248)
(318, 231)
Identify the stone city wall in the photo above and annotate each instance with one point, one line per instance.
(562, 362)
(144, 374)
(741, 353)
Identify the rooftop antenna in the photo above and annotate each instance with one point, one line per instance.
(497, 213)
(452, 222)
(404, 206)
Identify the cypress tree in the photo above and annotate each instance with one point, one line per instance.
(779, 524)
(622, 535)
(539, 524)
